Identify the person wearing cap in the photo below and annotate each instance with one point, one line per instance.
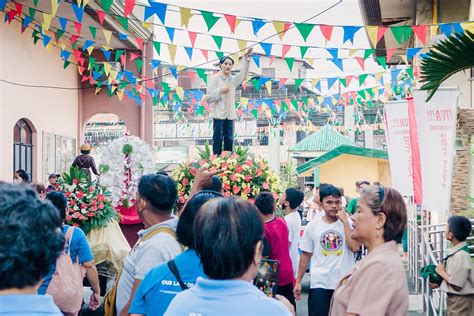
(85, 161)
(221, 92)
(53, 186)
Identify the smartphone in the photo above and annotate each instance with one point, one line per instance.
(267, 277)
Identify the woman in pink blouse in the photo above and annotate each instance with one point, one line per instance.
(377, 285)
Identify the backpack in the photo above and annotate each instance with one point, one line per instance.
(66, 284)
(111, 296)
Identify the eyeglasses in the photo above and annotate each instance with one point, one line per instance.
(381, 193)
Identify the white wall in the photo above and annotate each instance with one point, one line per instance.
(51, 110)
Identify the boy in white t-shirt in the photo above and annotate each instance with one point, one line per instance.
(291, 199)
(327, 243)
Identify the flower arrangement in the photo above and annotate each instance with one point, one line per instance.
(89, 206)
(244, 175)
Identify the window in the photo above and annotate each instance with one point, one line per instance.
(58, 153)
(268, 72)
(23, 147)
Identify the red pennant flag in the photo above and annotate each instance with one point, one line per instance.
(282, 82)
(285, 50)
(101, 15)
(81, 61)
(326, 30)
(129, 5)
(123, 59)
(420, 31)
(390, 53)
(78, 27)
(77, 53)
(348, 80)
(380, 32)
(11, 15)
(74, 38)
(204, 52)
(360, 60)
(286, 27)
(231, 20)
(84, 78)
(244, 85)
(133, 56)
(192, 37)
(272, 59)
(81, 69)
(19, 8)
(139, 42)
(192, 75)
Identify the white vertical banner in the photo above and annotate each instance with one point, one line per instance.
(397, 128)
(436, 124)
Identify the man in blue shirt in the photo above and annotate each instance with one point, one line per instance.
(160, 285)
(30, 243)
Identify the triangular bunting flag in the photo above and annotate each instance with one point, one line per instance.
(205, 53)
(420, 32)
(242, 45)
(281, 28)
(349, 33)
(298, 83)
(368, 53)
(390, 53)
(210, 19)
(101, 16)
(93, 31)
(231, 20)
(128, 9)
(107, 35)
(139, 42)
(326, 30)
(267, 48)
(289, 62)
(106, 4)
(170, 31)
(47, 21)
(284, 50)
(382, 61)
(412, 51)
(78, 11)
(331, 82)
(343, 82)
(304, 29)
(186, 15)
(256, 60)
(446, 28)
(338, 63)
(78, 27)
(54, 7)
(218, 41)
(303, 50)
(372, 34)
(401, 33)
(202, 74)
(157, 8)
(157, 46)
(192, 37)
(333, 52)
(257, 24)
(189, 51)
(361, 62)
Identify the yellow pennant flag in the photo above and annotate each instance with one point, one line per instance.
(378, 76)
(313, 83)
(279, 28)
(236, 59)
(268, 85)
(434, 29)
(180, 92)
(46, 21)
(48, 48)
(172, 51)
(372, 34)
(114, 88)
(180, 68)
(107, 68)
(185, 16)
(404, 58)
(63, 46)
(310, 60)
(352, 51)
(468, 26)
(155, 72)
(97, 90)
(113, 75)
(120, 94)
(147, 25)
(90, 49)
(237, 22)
(107, 47)
(320, 99)
(54, 7)
(375, 90)
(108, 35)
(244, 101)
(242, 45)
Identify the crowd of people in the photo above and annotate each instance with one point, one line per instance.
(205, 261)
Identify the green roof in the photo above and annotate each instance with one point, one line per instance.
(325, 139)
(348, 150)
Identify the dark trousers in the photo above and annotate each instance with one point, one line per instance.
(319, 302)
(287, 291)
(223, 129)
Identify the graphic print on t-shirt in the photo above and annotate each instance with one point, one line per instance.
(331, 243)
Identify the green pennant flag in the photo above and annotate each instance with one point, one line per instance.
(109, 92)
(370, 103)
(217, 40)
(177, 98)
(35, 2)
(139, 63)
(59, 34)
(124, 22)
(362, 79)
(157, 46)
(166, 87)
(303, 50)
(155, 101)
(200, 110)
(66, 64)
(305, 100)
(92, 62)
(304, 29)
(295, 104)
(370, 92)
(361, 93)
(410, 73)
(284, 106)
(289, 62)
(123, 84)
(220, 55)
(32, 13)
(368, 52)
(382, 61)
(106, 4)
(73, 46)
(254, 113)
(118, 54)
(210, 19)
(343, 81)
(255, 83)
(93, 31)
(401, 33)
(298, 83)
(202, 74)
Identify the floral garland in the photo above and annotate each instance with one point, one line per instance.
(89, 206)
(124, 161)
(244, 175)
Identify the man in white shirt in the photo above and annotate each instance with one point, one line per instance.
(290, 200)
(327, 243)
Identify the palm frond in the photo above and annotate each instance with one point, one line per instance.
(446, 58)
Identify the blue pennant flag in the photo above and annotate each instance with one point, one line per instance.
(261, 82)
(177, 106)
(412, 51)
(65, 54)
(257, 24)
(338, 63)
(198, 94)
(333, 52)
(349, 32)
(96, 75)
(173, 71)
(258, 103)
(87, 44)
(130, 77)
(78, 11)
(189, 51)
(318, 85)
(395, 74)
(337, 96)
(26, 21)
(123, 36)
(107, 53)
(267, 48)
(458, 28)
(446, 28)
(328, 101)
(331, 82)
(157, 8)
(155, 63)
(46, 40)
(3, 4)
(63, 23)
(170, 31)
(256, 59)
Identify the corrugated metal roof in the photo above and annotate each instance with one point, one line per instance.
(325, 139)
